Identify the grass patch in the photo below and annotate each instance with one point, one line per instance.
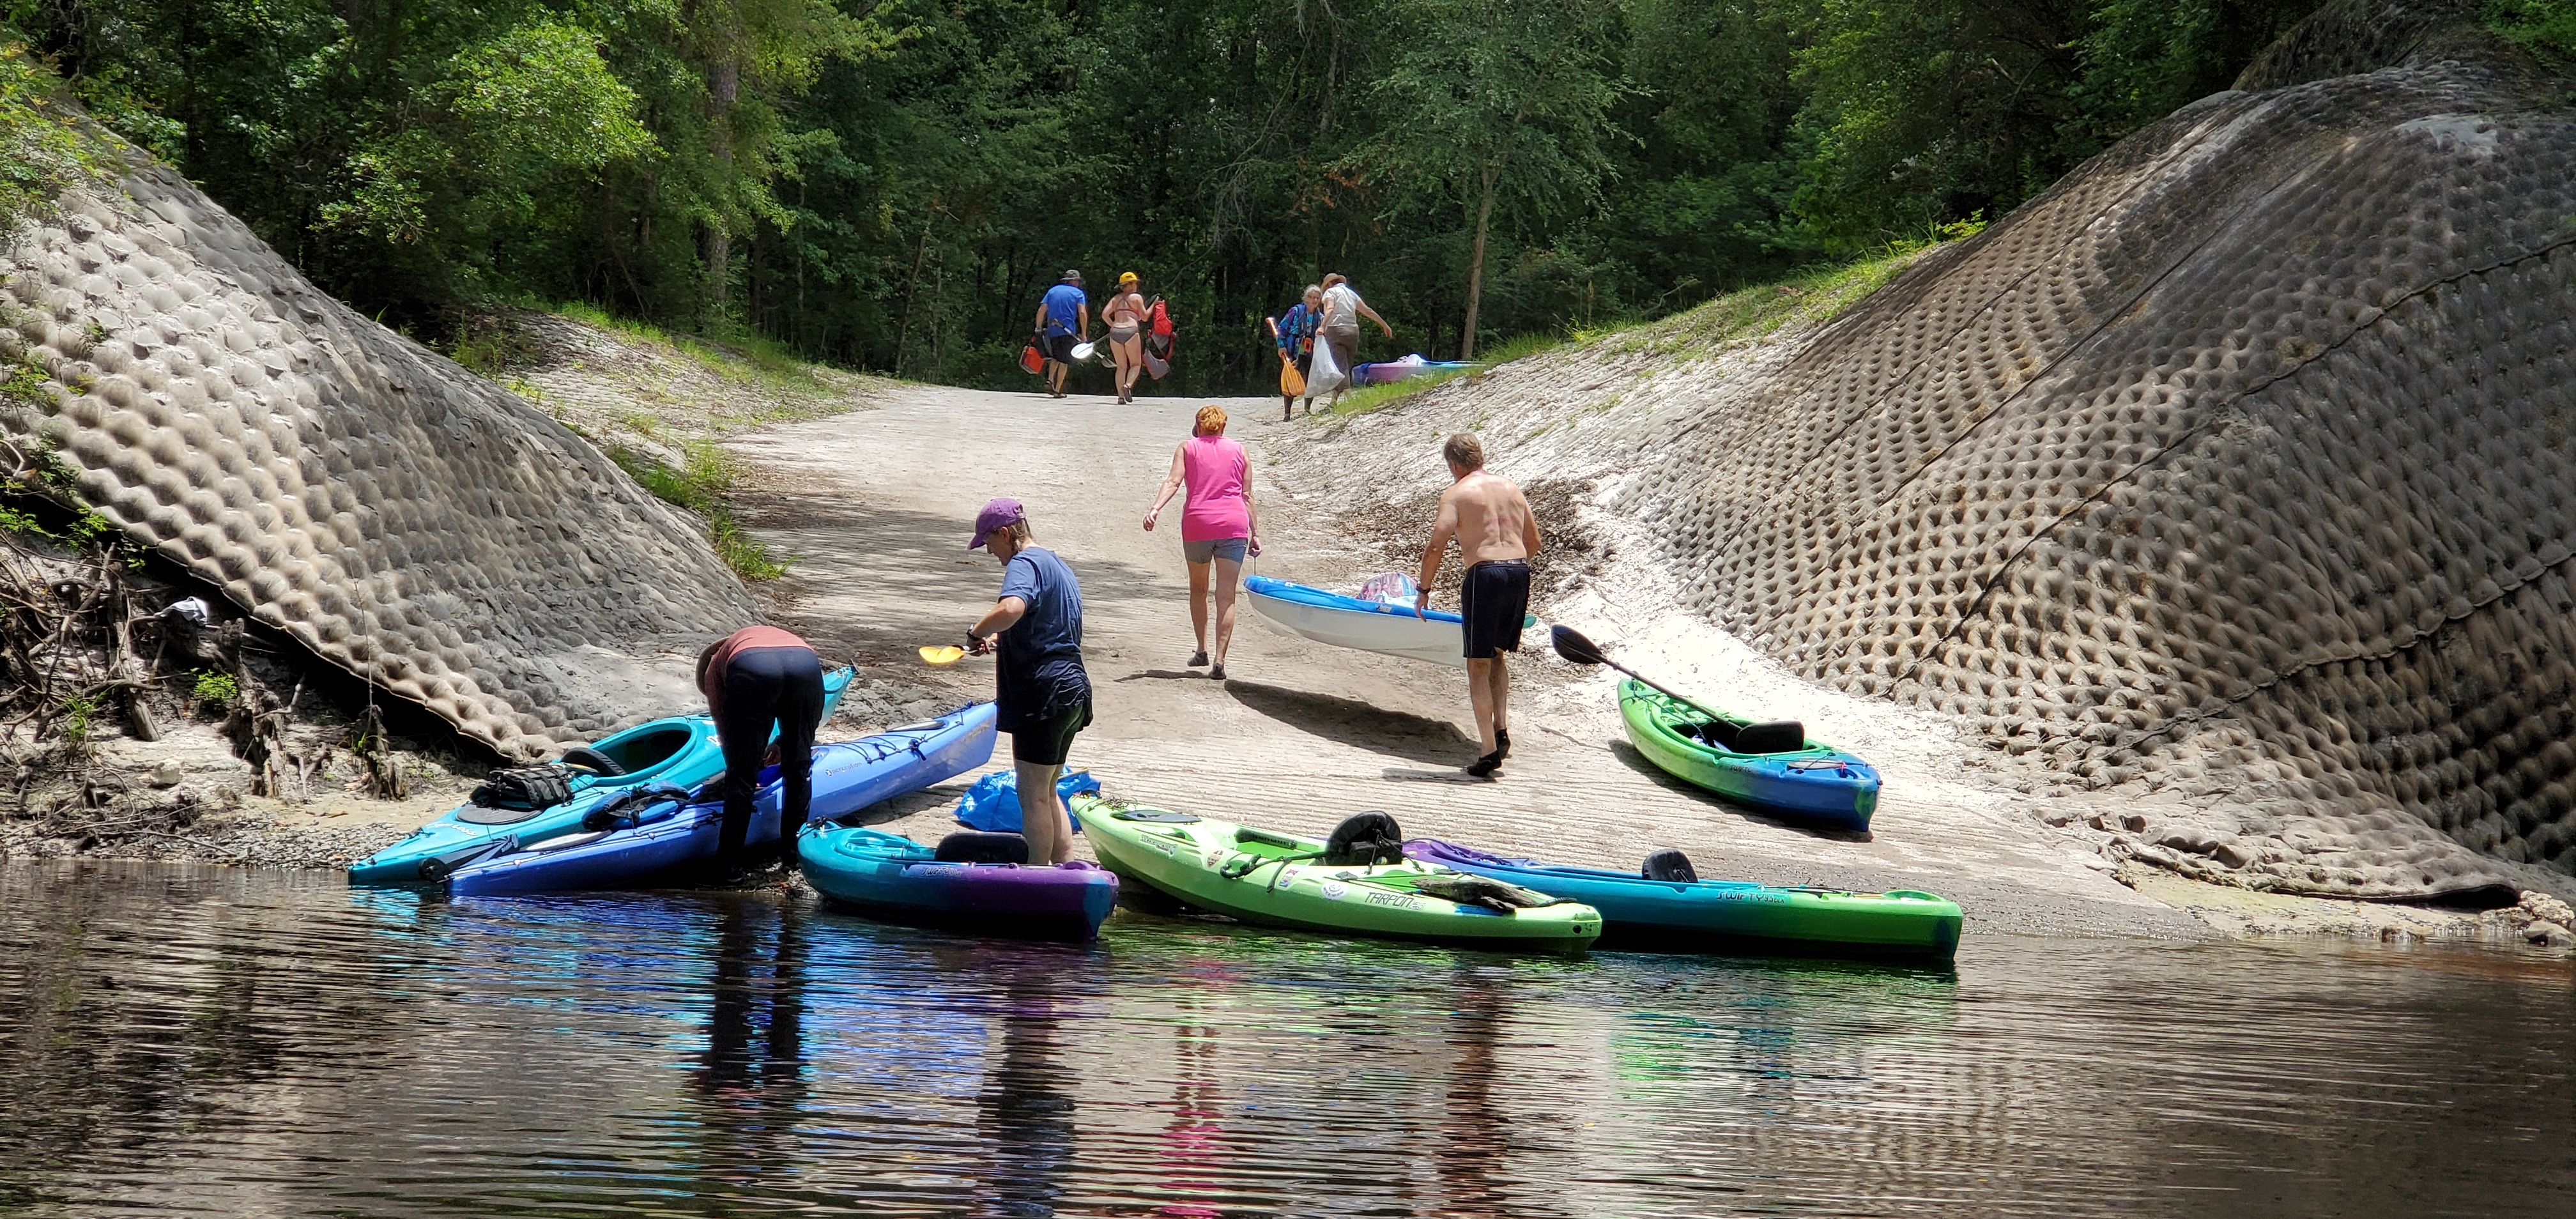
(748, 358)
(699, 485)
(1371, 397)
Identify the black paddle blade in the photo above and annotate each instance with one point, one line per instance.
(1570, 644)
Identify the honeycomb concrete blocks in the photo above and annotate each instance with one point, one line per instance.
(2238, 470)
(405, 520)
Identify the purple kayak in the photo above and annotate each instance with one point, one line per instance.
(971, 880)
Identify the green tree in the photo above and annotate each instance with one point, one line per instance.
(1499, 100)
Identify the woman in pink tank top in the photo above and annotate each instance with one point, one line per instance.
(1217, 525)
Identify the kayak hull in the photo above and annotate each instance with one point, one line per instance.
(1818, 784)
(899, 880)
(848, 776)
(1720, 916)
(679, 750)
(1349, 622)
(1189, 860)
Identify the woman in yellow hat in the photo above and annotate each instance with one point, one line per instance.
(1125, 317)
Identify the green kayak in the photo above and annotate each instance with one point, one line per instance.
(1285, 881)
(1773, 767)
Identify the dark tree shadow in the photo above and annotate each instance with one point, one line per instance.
(1352, 722)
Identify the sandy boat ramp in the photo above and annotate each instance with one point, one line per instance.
(877, 505)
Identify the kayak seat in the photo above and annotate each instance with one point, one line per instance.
(1363, 839)
(583, 757)
(1774, 736)
(1670, 866)
(979, 846)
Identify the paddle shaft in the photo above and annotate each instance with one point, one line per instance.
(1648, 683)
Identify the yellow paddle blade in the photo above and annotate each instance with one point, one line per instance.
(1291, 382)
(942, 655)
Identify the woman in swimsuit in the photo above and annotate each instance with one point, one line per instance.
(1125, 317)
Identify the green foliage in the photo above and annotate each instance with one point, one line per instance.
(699, 485)
(215, 691)
(2547, 27)
(41, 153)
(76, 711)
(889, 185)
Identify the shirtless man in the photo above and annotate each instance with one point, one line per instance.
(1491, 521)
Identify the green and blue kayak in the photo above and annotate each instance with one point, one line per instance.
(1281, 880)
(1772, 767)
(1668, 906)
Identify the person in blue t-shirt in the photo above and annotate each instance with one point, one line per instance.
(1064, 318)
(1042, 693)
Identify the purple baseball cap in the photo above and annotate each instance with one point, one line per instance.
(997, 513)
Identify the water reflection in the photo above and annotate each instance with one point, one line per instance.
(751, 1081)
(222, 1042)
(1027, 1113)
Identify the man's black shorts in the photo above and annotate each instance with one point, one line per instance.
(1493, 598)
(1046, 742)
(1059, 348)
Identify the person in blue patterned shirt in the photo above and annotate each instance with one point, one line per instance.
(1297, 343)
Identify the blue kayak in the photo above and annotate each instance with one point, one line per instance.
(679, 751)
(669, 828)
(974, 880)
(1666, 905)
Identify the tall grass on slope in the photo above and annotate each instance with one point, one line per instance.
(1750, 313)
(699, 485)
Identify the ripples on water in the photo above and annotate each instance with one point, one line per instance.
(220, 1041)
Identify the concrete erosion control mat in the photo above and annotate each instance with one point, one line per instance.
(2237, 471)
(404, 519)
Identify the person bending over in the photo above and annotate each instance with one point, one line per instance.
(1496, 534)
(1042, 694)
(757, 679)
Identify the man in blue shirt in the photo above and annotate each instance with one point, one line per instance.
(1064, 318)
(1042, 694)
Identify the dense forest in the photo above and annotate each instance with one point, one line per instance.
(889, 185)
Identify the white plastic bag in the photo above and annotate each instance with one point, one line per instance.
(1323, 376)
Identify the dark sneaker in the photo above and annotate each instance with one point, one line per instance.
(1217, 672)
(1502, 743)
(1484, 767)
(1198, 659)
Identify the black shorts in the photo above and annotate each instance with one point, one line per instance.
(1059, 348)
(1045, 743)
(1493, 598)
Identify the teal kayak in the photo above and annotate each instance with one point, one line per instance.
(679, 751)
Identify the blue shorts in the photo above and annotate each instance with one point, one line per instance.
(1231, 550)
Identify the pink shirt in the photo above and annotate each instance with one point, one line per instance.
(1216, 509)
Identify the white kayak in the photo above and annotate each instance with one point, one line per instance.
(1370, 626)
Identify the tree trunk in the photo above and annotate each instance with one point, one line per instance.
(715, 246)
(1476, 269)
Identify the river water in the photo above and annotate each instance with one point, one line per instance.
(221, 1041)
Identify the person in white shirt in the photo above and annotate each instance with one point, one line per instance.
(1343, 310)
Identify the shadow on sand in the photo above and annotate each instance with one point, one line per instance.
(1638, 762)
(1352, 722)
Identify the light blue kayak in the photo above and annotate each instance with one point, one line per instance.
(680, 751)
(1388, 628)
(673, 829)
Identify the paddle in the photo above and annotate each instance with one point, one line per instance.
(943, 655)
(1570, 644)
